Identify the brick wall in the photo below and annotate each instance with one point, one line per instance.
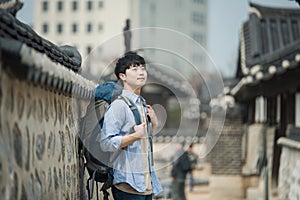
(226, 156)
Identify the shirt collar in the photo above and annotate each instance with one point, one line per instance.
(132, 96)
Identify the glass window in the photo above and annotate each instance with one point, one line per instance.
(197, 58)
(199, 1)
(74, 28)
(152, 7)
(198, 18)
(74, 5)
(101, 4)
(59, 28)
(198, 37)
(89, 5)
(45, 28)
(100, 27)
(60, 6)
(89, 27)
(45, 6)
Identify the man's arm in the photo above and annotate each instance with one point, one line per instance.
(131, 138)
(111, 138)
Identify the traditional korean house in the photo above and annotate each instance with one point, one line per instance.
(269, 90)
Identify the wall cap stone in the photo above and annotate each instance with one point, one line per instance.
(286, 142)
(24, 62)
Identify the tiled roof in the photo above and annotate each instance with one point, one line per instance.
(12, 28)
(269, 45)
(269, 36)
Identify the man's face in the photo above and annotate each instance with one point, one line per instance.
(136, 76)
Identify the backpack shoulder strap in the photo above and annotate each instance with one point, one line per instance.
(132, 107)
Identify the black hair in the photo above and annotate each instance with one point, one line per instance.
(130, 58)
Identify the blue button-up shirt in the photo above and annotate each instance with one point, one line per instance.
(128, 166)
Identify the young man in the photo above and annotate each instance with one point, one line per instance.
(133, 174)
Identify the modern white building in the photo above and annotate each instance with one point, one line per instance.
(97, 26)
(80, 23)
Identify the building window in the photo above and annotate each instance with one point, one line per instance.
(100, 27)
(152, 7)
(198, 18)
(199, 1)
(74, 5)
(45, 6)
(197, 58)
(101, 4)
(60, 6)
(89, 27)
(59, 28)
(198, 37)
(74, 28)
(260, 110)
(89, 5)
(45, 28)
(297, 111)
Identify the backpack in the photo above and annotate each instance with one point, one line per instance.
(96, 161)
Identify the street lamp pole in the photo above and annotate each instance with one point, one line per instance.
(127, 36)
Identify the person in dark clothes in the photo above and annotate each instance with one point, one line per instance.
(181, 166)
(194, 160)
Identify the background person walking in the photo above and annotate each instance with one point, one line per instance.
(181, 166)
(193, 157)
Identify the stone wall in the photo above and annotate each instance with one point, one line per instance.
(38, 128)
(226, 156)
(289, 173)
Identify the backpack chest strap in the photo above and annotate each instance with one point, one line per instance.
(133, 108)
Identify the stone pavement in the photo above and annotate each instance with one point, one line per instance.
(220, 187)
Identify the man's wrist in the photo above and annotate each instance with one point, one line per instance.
(154, 128)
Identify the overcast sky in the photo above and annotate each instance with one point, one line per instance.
(224, 22)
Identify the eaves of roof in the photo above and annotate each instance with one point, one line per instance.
(269, 49)
(12, 28)
(27, 64)
(278, 78)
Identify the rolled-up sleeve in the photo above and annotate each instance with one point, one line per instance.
(111, 134)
